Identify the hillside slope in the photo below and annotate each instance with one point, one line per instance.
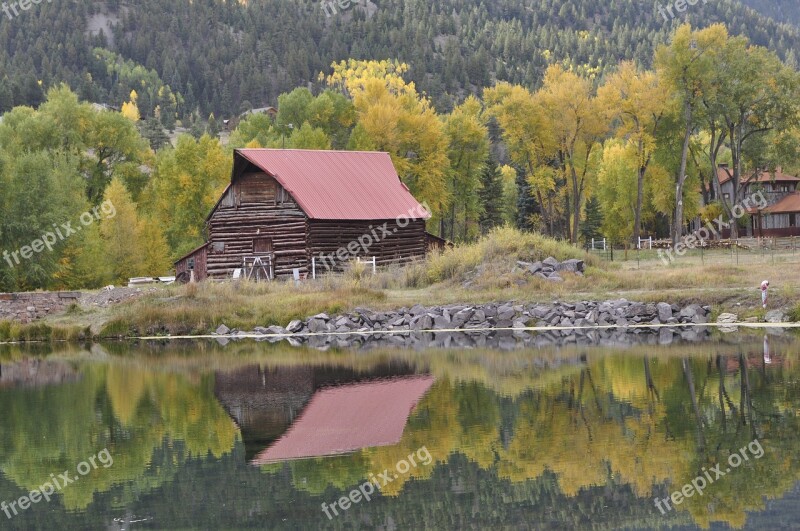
(224, 57)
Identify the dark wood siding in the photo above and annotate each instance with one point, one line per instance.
(251, 214)
(326, 237)
(197, 261)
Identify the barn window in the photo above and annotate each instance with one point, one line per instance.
(218, 247)
(262, 246)
(792, 220)
(190, 264)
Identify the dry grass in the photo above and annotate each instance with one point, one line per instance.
(200, 308)
(481, 272)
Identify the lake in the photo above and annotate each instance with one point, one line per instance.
(268, 436)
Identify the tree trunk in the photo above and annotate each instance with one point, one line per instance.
(637, 216)
(678, 228)
(576, 207)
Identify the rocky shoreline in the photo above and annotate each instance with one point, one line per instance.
(610, 322)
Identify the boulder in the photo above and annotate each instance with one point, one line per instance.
(664, 311)
(317, 325)
(550, 262)
(775, 316)
(295, 326)
(223, 330)
(727, 318)
(572, 265)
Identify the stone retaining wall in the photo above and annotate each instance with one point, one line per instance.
(28, 307)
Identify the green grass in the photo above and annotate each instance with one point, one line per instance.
(12, 332)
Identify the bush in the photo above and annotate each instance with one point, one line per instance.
(505, 244)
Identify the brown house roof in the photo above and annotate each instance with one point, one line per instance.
(339, 185)
(725, 174)
(787, 205)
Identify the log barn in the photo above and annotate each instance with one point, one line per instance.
(310, 211)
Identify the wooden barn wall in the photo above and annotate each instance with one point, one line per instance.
(256, 206)
(403, 245)
(200, 262)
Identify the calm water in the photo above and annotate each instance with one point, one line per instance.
(194, 435)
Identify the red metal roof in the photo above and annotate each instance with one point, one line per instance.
(339, 184)
(787, 205)
(342, 419)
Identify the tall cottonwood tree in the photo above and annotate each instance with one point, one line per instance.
(569, 104)
(684, 65)
(636, 101)
(468, 140)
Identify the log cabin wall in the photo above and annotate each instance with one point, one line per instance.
(256, 214)
(195, 261)
(403, 245)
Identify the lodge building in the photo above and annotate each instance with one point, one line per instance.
(288, 212)
(781, 215)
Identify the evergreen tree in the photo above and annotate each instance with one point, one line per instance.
(593, 220)
(491, 196)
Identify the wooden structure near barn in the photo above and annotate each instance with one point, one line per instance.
(287, 209)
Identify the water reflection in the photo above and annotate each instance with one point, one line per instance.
(574, 437)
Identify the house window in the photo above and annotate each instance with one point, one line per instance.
(792, 220)
(262, 246)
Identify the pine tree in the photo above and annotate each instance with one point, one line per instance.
(491, 196)
(593, 220)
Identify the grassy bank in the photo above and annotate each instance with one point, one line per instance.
(481, 272)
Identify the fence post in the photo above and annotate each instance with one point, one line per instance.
(604, 248)
(374, 265)
(314, 268)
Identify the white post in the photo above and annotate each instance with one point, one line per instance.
(374, 265)
(592, 244)
(651, 243)
(604, 244)
(313, 267)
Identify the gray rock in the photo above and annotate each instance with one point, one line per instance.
(775, 316)
(223, 330)
(664, 311)
(295, 326)
(727, 318)
(317, 325)
(417, 309)
(699, 319)
(555, 278)
(572, 265)
(550, 262)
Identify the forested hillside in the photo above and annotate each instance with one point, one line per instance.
(782, 10)
(225, 57)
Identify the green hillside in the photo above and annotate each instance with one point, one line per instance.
(224, 57)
